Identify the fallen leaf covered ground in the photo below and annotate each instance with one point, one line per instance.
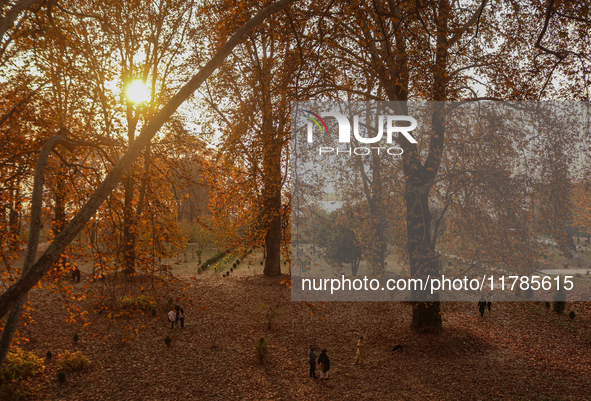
(519, 351)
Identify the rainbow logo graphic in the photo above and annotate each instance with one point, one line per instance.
(316, 120)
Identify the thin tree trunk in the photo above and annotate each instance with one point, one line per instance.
(59, 220)
(128, 227)
(13, 221)
(34, 230)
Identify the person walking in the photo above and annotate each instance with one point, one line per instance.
(312, 356)
(172, 315)
(180, 316)
(489, 301)
(324, 363)
(482, 305)
(360, 351)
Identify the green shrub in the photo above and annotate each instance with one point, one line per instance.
(76, 338)
(20, 364)
(154, 312)
(167, 341)
(237, 261)
(269, 313)
(261, 262)
(233, 265)
(72, 361)
(547, 304)
(214, 259)
(261, 349)
(48, 355)
(61, 376)
(138, 302)
(572, 315)
(231, 269)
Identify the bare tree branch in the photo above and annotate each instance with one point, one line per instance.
(7, 21)
(475, 17)
(561, 54)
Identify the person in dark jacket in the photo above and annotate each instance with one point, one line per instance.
(324, 363)
(312, 356)
(180, 316)
(482, 305)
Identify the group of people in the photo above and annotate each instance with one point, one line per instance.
(176, 316)
(324, 360)
(485, 303)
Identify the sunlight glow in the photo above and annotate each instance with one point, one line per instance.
(137, 92)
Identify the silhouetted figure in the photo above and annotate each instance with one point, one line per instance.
(180, 316)
(312, 361)
(76, 275)
(482, 306)
(489, 301)
(324, 363)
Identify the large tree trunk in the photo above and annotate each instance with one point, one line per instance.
(272, 206)
(273, 246)
(272, 145)
(421, 249)
(423, 260)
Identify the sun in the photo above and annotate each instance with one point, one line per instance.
(137, 92)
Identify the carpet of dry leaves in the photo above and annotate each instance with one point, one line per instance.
(519, 351)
